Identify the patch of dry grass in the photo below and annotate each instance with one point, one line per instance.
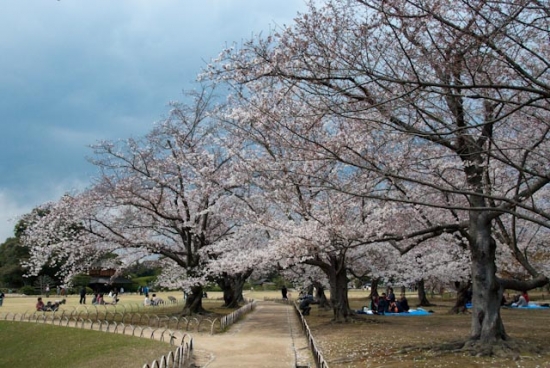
(376, 341)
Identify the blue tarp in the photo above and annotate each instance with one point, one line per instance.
(531, 306)
(410, 313)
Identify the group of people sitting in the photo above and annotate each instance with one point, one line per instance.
(153, 301)
(49, 306)
(519, 300)
(99, 299)
(386, 303)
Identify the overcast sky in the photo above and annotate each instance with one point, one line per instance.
(73, 72)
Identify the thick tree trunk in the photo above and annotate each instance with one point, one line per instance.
(422, 298)
(232, 287)
(338, 281)
(193, 303)
(335, 269)
(462, 291)
(320, 296)
(487, 326)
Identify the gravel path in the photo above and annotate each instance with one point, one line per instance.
(270, 336)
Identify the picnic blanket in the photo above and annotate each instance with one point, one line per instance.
(410, 313)
(531, 306)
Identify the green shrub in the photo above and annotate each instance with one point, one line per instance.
(145, 280)
(212, 287)
(27, 290)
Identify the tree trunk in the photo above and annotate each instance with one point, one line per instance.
(335, 269)
(462, 291)
(320, 295)
(232, 287)
(193, 303)
(374, 288)
(422, 298)
(487, 326)
(338, 281)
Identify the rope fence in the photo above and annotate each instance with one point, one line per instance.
(320, 361)
(99, 313)
(124, 320)
(179, 358)
(233, 317)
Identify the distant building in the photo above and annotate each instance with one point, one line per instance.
(104, 280)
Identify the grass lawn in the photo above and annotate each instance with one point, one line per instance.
(26, 344)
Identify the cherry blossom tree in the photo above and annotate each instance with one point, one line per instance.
(162, 195)
(445, 103)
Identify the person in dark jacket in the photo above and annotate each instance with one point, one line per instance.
(304, 304)
(383, 304)
(391, 295)
(82, 295)
(284, 292)
(403, 304)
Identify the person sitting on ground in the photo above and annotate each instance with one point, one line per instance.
(40, 305)
(525, 296)
(147, 301)
(393, 308)
(403, 303)
(514, 300)
(51, 307)
(521, 302)
(100, 300)
(114, 297)
(154, 299)
(503, 301)
(391, 295)
(305, 305)
(469, 295)
(383, 304)
(374, 303)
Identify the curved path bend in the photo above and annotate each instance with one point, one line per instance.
(269, 336)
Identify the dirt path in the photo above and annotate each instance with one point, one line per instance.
(270, 336)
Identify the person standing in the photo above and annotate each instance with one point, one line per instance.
(1, 298)
(47, 291)
(284, 291)
(82, 295)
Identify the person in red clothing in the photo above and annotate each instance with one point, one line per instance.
(40, 305)
(526, 296)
